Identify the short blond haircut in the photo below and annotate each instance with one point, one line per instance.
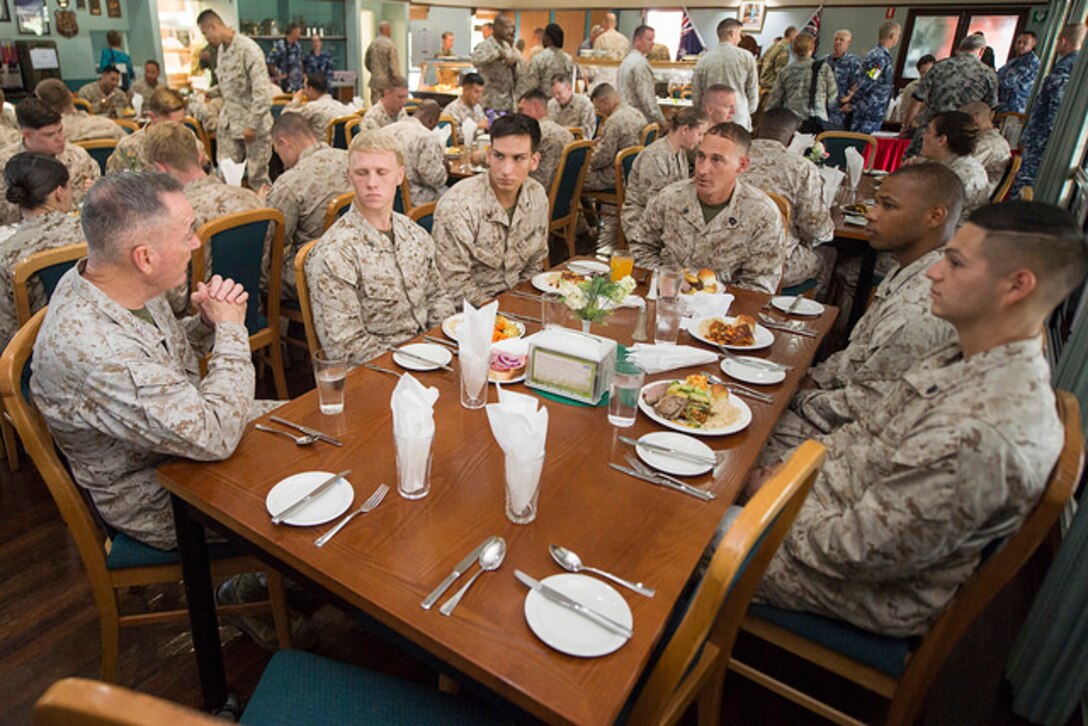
(887, 29)
(165, 101)
(374, 141)
(844, 32)
(171, 143)
(803, 44)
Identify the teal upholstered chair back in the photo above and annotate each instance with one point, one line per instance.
(627, 164)
(100, 150)
(237, 253)
(398, 202)
(837, 142)
(423, 215)
(567, 185)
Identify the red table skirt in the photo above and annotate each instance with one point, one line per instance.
(889, 153)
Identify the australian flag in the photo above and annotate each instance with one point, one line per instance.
(690, 42)
(812, 27)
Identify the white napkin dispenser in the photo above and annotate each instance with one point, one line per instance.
(571, 364)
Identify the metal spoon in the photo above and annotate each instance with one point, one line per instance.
(490, 559)
(300, 440)
(571, 562)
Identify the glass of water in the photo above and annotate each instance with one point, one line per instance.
(667, 323)
(668, 282)
(330, 371)
(627, 381)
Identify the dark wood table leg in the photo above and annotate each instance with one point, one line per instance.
(193, 549)
(864, 286)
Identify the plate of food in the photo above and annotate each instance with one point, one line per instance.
(703, 280)
(694, 406)
(509, 359)
(453, 152)
(804, 306)
(735, 333)
(549, 281)
(504, 327)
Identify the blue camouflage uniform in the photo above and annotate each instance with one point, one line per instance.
(1014, 82)
(847, 74)
(320, 63)
(288, 59)
(949, 86)
(874, 92)
(1041, 121)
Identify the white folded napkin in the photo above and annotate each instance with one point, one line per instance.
(832, 181)
(137, 103)
(233, 171)
(521, 430)
(659, 358)
(413, 430)
(468, 131)
(705, 304)
(474, 343)
(801, 143)
(854, 165)
(632, 301)
(442, 133)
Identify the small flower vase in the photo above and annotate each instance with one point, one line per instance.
(585, 325)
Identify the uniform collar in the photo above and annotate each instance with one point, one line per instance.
(312, 149)
(117, 312)
(901, 276)
(947, 370)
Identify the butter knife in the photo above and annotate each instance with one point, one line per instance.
(459, 570)
(691, 491)
(314, 493)
(571, 604)
(307, 430)
(674, 453)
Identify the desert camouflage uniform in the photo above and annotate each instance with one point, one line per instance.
(949, 86)
(9, 136)
(247, 103)
(540, 70)
(145, 89)
(791, 89)
(579, 112)
(620, 130)
(7, 116)
(301, 194)
(207, 112)
(370, 293)
(129, 154)
(553, 139)
(734, 67)
(993, 152)
(635, 84)
(1041, 122)
(870, 100)
(744, 243)
(773, 169)
(81, 126)
(122, 396)
(910, 495)
(976, 185)
(319, 113)
(383, 63)
(772, 63)
(424, 160)
(655, 168)
(376, 117)
(896, 331)
(82, 172)
(482, 250)
(500, 79)
(112, 105)
(1014, 82)
(44, 232)
(848, 70)
(459, 112)
(612, 44)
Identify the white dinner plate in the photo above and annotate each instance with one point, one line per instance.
(453, 322)
(333, 502)
(740, 424)
(589, 267)
(546, 281)
(736, 368)
(763, 337)
(571, 633)
(671, 464)
(805, 307)
(440, 354)
(854, 220)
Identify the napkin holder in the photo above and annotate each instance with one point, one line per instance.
(571, 364)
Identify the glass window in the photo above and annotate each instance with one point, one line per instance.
(1000, 32)
(666, 25)
(932, 34)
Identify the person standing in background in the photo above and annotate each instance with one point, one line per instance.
(611, 43)
(870, 100)
(636, 79)
(446, 51)
(1015, 79)
(382, 61)
(286, 56)
(112, 55)
(776, 58)
(318, 61)
(732, 66)
(550, 62)
(847, 68)
(499, 63)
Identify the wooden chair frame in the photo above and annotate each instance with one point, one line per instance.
(268, 336)
(406, 195)
(303, 289)
(84, 702)
(1001, 191)
(869, 140)
(127, 123)
(783, 205)
(202, 136)
(91, 144)
(621, 190)
(332, 211)
(92, 544)
(907, 694)
(455, 134)
(84, 104)
(330, 129)
(647, 130)
(422, 211)
(568, 225)
(577, 132)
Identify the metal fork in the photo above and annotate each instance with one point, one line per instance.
(374, 500)
(789, 326)
(739, 389)
(299, 440)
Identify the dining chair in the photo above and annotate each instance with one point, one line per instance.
(625, 160)
(402, 200)
(577, 132)
(1001, 191)
(837, 142)
(600, 122)
(337, 208)
(299, 687)
(423, 215)
(336, 134)
(83, 104)
(455, 133)
(303, 289)
(649, 134)
(806, 287)
(235, 246)
(194, 125)
(113, 561)
(903, 669)
(278, 104)
(99, 149)
(129, 126)
(566, 190)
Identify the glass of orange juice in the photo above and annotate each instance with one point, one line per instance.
(622, 263)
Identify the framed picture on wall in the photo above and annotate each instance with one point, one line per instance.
(95, 7)
(5, 12)
(751, 16)
(113, 8)
(32, 17)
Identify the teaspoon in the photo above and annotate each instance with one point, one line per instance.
(571, 562)
(490, 559)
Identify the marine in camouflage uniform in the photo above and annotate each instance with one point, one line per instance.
(579, 112)
(483, 250)
(9, 136)
(129, 154)
(542, 68)
(963, 446)
(287, 58)
(82, 172)
(383, 63)
(848, 70)
(655, 168)
(553, 139)
(499, 63)
(773, 169)
(145, 89)
(792, 89)
(870, 100)
(302, 194)
(319, 112)
(112, 105)
(42, 232)
(773, 61)
(377, 117)
(621, 129)
(81, 126)
(370, 293)
(897, 330)
(976, 184)
(460, 112)
(993, 152)
(122, 396)
(949, 86)
(744, 243)
(424, 160)
(635, 83)
(731, 66)
(1015, 80)
(247, 103)
(1041, 122)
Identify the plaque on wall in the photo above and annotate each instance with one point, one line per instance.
(113, 8)
(67, 25)
(96, 7)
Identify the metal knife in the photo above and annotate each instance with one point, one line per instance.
(648, 471)
(421, 359)
(314, 493)
(307, 430)
(674, 453)
(459, 570)
(691, 491)
(519, 316)
(571, 604)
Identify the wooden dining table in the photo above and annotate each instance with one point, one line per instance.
(851, 239)
(385, 562)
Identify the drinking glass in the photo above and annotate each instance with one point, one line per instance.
(667, 323)
(621, 263)
(668, 282)
(413, 466)
(522, 478)
(330, 370)
(473, 380)
(627, 379)
(554, 313)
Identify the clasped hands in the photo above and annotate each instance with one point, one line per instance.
(220, 301)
